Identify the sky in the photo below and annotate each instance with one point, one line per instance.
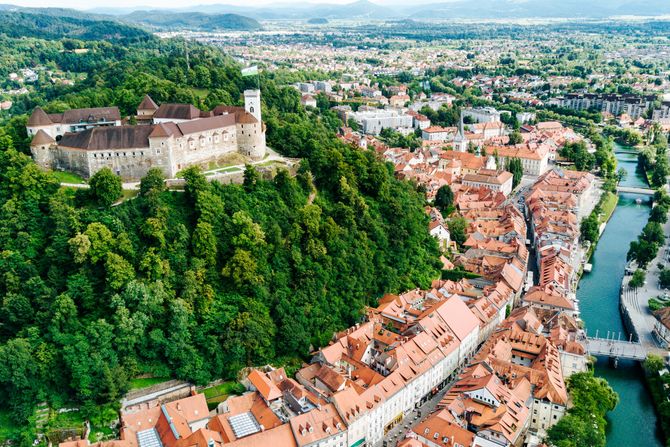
(139, 4)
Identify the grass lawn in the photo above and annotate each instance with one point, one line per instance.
(200, 92)
(219, 393)
(75, 420)
(146, 381)
(68, 177)
(130, 193)
(608, 204)
(223, 389)
(231, 169)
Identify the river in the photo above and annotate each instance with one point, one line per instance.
(633, 422)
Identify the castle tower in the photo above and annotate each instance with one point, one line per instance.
(252, 103)
(41, 147)
(146, 110)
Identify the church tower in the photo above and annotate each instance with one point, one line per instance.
(460, 142)
(252, 103)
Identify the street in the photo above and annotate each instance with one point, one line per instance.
(397, 434)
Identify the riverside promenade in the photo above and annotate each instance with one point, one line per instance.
(634, 302)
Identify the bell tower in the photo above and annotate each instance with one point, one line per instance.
(252, 103)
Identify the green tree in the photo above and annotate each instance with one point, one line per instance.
(590, 228)
(654, 363)
(638, 279)
(444, 199)
(457, 228)
(516, 168)
(664, 278)
(515, 138)
(153, 182)
(105, 187)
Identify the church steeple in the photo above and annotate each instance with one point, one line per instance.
(460, 142)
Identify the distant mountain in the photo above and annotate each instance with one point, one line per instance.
(454, 9)
(362, 9)
(317, 21)
(45, 26)
(192, 20)
(507, 9)
(157, 19)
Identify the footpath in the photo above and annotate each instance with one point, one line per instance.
(635, 302)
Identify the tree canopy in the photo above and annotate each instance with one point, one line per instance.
(196, 284)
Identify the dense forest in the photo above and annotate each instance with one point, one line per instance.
(20, 24)
(192, 21)
(192, 284)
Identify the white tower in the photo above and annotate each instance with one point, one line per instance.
(460, 141)
(252, 103)
(491, 163)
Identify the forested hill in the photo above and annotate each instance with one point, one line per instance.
(193, 21)
(24, 24)
(195, 284)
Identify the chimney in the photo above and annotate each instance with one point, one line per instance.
(178, 406)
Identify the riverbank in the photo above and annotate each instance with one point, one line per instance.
(633, 421)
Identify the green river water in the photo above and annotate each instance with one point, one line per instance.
(633, 422)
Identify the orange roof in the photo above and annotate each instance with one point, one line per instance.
(264, 385)
(281, 436)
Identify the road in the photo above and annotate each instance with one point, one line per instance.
(412, 419)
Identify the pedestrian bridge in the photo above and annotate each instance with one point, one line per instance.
(616, 349)
(633, 190)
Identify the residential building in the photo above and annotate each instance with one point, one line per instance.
(482, 114)
(495, 180)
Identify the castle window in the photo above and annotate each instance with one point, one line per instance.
(251, 109)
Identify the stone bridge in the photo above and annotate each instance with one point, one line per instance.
(633, 190)
(616, 349)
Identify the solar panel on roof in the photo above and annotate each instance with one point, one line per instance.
(148, 438)
(244, 424)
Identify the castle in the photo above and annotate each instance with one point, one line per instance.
(171, 137)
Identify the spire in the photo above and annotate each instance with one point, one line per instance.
(460, 135)
(460, 142)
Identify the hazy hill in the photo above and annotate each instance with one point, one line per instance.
(24, 24)
(193, 20)
(481, 9)
(356, 10)
(491, 9)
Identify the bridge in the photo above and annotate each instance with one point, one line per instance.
(633, 190)
(616, 349)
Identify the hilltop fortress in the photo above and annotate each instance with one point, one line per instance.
(171, 137)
